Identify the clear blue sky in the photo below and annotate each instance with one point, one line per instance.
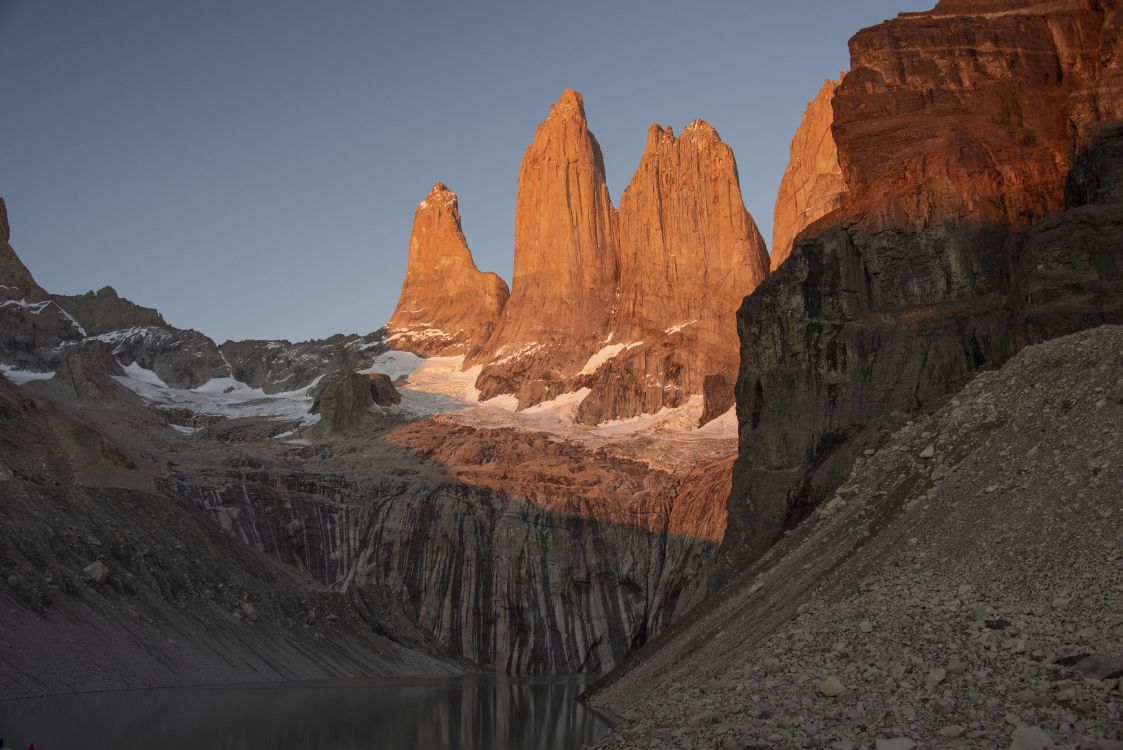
(251, 168)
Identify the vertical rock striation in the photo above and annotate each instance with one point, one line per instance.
(812, 185)
(565, 270)
(447, 306)
(636, 306)
(689, 253)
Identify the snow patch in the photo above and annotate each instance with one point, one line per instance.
(724, 426)
(19, 377)
(606, 353)
(143, 375)
(679, 326)
(679, 419)
(224, 397)
(394, 364)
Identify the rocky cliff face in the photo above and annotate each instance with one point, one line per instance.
(689, 253)
(968, 111)
(515, 551)
(812, 185)
(934, 267)
(634, 306)
(447, 306)
(16, 282)
(564, 280)
(104, 311)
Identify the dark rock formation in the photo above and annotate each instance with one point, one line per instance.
(382, 390)
(717, 394)
(104, 311)
(345, 400)
(447, 306)
(181, 358)
(279, 366)
(86, 373)
(934, 267)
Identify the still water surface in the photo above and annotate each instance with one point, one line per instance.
(464, 712)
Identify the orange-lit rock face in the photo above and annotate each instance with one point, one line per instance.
(689, 253)
(565, 258)
(638, 306)
(812, 185)
(572, 480)
(964, 111)
(447, 305)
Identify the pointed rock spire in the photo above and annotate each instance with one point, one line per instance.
(689, 253)
(565, 270)
(16, 282)
(813, 184)
(447, 305)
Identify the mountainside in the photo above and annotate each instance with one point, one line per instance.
(812, 185)
(967, 111)
(962, 588)
(689, 253)
(447, 306)
(16, 282)
(459, 544)
(893, 301)
(631, 310)
(566, 263)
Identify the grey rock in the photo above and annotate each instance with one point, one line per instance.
(1030, 738)
(895, 743)
(96, 572)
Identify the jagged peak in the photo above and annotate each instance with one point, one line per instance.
(5, 232)
(570, 104)
(698, 132)
(439, 197)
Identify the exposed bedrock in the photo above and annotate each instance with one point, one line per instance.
(104, 311)
(813, 185)
(447, 306)
(860, 329)
(564, 279)
(515, 551)
(635, 305)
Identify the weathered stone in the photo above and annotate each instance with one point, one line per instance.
(96, 572)
(447, 306)
(831, 687)
(813, 185)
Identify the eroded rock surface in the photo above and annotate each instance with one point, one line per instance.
(965, 111)
(934, 267)
(447, 306)
(960, 590)
(813, 185)
(689, 253)
(104, 311)
(564, 281)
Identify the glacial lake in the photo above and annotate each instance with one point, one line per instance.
(485, 712)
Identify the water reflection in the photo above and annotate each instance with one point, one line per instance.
(469, 712)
